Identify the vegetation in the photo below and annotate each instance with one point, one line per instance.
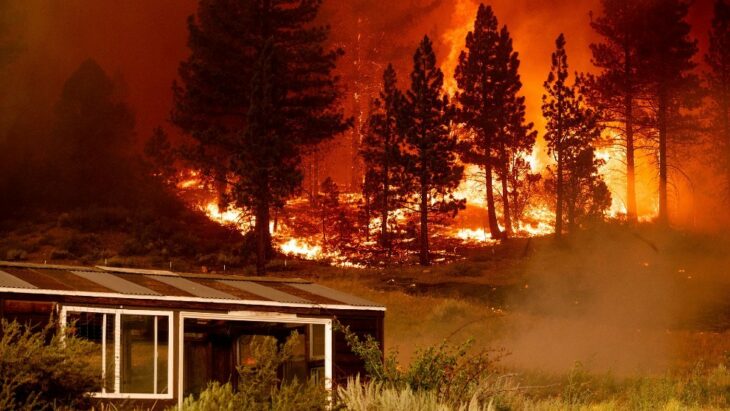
(257, 89)
(260, 388)
(41, 369)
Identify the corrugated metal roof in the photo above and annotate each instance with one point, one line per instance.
(333, 294)
(115, 283)
(132, 283)
(8, 280)
(264, 291)
(197, 289)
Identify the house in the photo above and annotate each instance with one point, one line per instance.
(163, 335)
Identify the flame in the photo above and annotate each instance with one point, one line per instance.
(299, 248)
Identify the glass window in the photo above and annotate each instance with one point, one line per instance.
(142, 344)
(138, 353)
(316, 341)
(98, 329)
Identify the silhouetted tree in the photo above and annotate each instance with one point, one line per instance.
(616, 91)
(161, 155)
(718, 79)
(491, 109)
(256, 90)
(673, 88)
(430, 155)
(381, 152)
(515, 136)
(92, 136)
(571, 130)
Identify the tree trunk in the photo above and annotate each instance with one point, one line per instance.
(424, 257)
(384, 237)
(559, 191)
(261, 228)
(491, 213)
(663, 175)
(631, 208)
(571, 199)
(505, 203)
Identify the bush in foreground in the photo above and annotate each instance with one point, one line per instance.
(43, 369)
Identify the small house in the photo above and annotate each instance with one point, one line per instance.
(163, 335)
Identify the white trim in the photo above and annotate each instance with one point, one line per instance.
(256, 317)
(118, 312)
(103, 352)
(191, 299)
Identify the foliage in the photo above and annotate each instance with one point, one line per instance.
(492, 111)
(381, 150)
(450, 373)
(571, 130)
(260, 387)
(255, 92)
(718, 79)
(430, 154)
(43, 369)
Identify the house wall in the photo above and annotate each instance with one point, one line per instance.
(39, 308)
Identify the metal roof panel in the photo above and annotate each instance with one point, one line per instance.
(264, 291)
(9, 280)
(115, 283)
(327, 292)
(197, 289)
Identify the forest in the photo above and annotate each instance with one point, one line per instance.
(546, 182)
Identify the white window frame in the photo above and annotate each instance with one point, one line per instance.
(253, 316)
(117, 349)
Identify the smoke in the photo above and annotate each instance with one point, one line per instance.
(620, 300)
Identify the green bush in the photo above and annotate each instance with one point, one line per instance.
(451, 373)
(41, 369)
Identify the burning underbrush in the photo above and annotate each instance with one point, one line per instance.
(335, 227)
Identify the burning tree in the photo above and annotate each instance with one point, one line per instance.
(618, 89)
(257, 89)
(571, 130)
(381, 151)
(718, 58)
(673, 89)
(492, 111)
(430, 152)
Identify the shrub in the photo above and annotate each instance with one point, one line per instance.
(16, 255)
(450, 372)
(42, 369)
(260, 388)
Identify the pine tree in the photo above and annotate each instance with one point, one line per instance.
(92, 135)
(571, 130)
(381, 152)
(718, 79)
(161, 155)
(491, 109)
(256, 90)
(430, 153)
(516, 137)
(617, 89)
(672, 85)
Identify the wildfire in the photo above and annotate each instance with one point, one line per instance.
(298, 248)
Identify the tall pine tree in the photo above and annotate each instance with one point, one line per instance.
(256, 90)
(617, 89)
(515, 136)
(673, 88)
(381, 152)
(572, 129)
(430, 152)
(491, 109)
(718, 79)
